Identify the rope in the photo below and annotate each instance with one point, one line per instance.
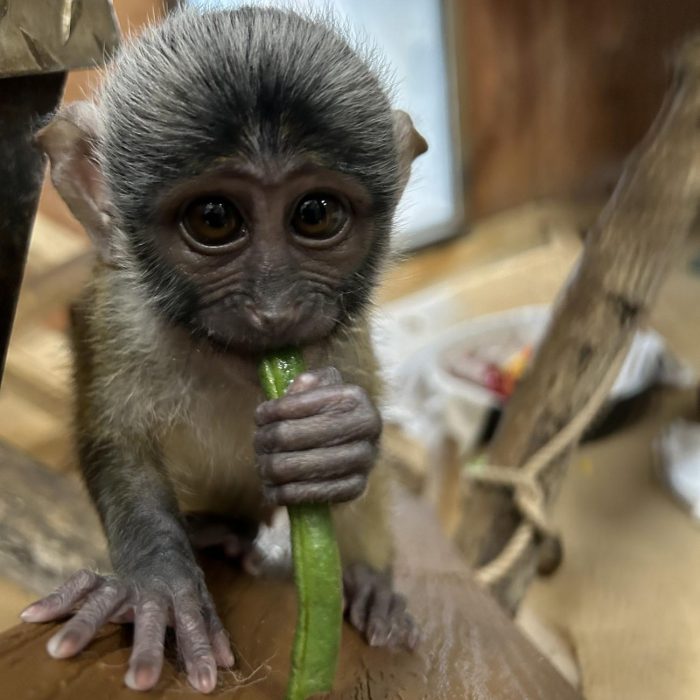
(528, 493)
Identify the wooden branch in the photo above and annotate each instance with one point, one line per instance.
(627, 257)
(470, 649)
(48, 527)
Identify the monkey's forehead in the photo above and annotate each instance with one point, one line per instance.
(253, 81)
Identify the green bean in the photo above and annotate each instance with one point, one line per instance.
(317, 570)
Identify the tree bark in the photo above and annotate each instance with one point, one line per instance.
(627, 256)
(48, 527)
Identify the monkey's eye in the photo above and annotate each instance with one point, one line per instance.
(319, 216)
(212, 221)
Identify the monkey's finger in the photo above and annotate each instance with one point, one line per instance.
(323, 464)
(404, 631)
(360, 598)
(378, 619)
(193, 641)
(77, 633)
(326, 399)
(146, 661)
(315, 378)
(411, 636)
(220, 644)
(63, 599)
(322, 429)
(308, 492)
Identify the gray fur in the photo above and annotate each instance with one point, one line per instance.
(165, 421)
(259, 83)
(256, 82)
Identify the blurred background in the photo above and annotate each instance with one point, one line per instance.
(530, 109)
(547, 99)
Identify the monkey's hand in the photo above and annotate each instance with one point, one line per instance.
(318, 442)
(151, 602)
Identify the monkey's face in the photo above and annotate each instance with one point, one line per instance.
(246, 185)
(267, 257)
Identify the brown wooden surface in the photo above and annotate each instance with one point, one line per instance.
(555, 93)
(470, 649)
(48, 529)
(626, 259)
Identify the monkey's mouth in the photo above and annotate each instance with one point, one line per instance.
(253, 333)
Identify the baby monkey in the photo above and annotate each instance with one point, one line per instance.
(238, 175)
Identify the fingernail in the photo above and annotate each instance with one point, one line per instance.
(376, 637)
(141, 677)
(54, 645)
(131, 681)
(30, 611)
(414, 639)
(61, 645)
(228, 658)
(206, 679)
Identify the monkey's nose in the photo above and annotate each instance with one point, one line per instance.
(269, 320)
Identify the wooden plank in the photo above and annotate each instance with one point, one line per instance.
(494, 239)
(48, 527)
(56, 287)
(42, 356)
(13, 598)
(26, 425)
(555, 93)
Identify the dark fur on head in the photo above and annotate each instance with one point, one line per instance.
(256, 82)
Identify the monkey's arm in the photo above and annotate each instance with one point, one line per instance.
(318, 444)
(156, 582)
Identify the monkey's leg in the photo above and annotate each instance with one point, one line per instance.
(156, 580)
(364, 537)
(375, 610)
(234, 538)
(318, 444)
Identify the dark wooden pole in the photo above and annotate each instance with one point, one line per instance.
(24, 102)
(39, 42)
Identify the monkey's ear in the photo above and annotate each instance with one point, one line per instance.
(410, 142)
(69, 140)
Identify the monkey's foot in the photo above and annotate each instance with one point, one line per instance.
(233, 538)
(376, 611)
(153, 602)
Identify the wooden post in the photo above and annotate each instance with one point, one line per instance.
(40, 43)
(627, 256)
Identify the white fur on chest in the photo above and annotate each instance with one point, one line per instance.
(201, 407)
(208, 451)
